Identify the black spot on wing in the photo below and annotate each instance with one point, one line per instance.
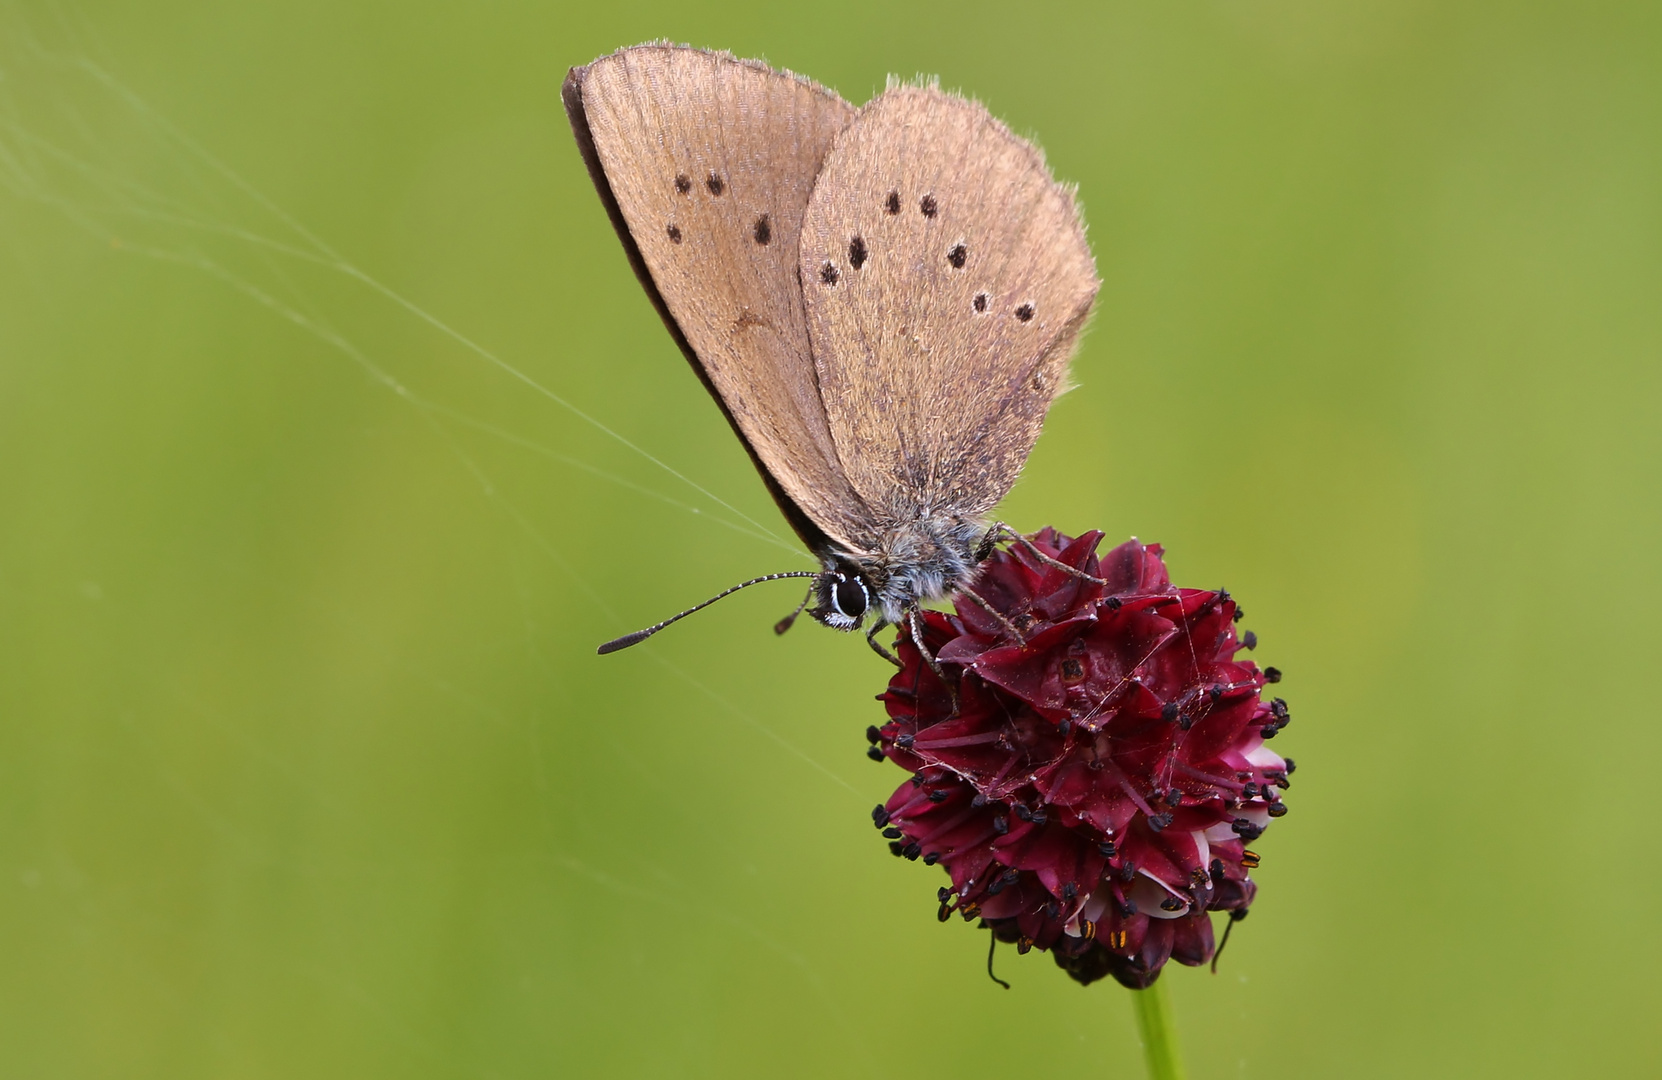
(857, 253)
(763, 232)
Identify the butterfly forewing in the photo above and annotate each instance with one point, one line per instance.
(946, 279)
(710, 162)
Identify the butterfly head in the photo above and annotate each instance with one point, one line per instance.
(840, 599)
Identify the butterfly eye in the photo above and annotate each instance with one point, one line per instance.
(849, 597)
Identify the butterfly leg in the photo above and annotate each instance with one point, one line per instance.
(877, 647)
(1009, 627)
(1001, 531)
(914, 618)
(984, 549)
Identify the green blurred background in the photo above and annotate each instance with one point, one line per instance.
(307, 767)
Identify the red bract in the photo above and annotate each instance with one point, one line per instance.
(1094, 771)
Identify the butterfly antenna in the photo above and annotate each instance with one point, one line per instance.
(641, 635)
(785, 624)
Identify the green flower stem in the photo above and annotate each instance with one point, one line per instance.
(1159, 1034)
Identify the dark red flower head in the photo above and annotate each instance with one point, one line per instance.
(1094, 773)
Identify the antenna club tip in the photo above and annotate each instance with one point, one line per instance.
(618, 644)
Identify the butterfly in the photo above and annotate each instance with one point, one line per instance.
(883, 301)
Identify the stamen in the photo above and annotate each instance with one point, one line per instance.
(991, 945)
(965, 740)
(1131, 792)
(1234, 917)
(1205, 777)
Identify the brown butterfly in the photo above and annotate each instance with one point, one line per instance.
(883, 300)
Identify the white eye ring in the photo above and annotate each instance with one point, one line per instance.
(837, 600)
(834, 614)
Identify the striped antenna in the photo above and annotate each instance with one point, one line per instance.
(641, 635)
